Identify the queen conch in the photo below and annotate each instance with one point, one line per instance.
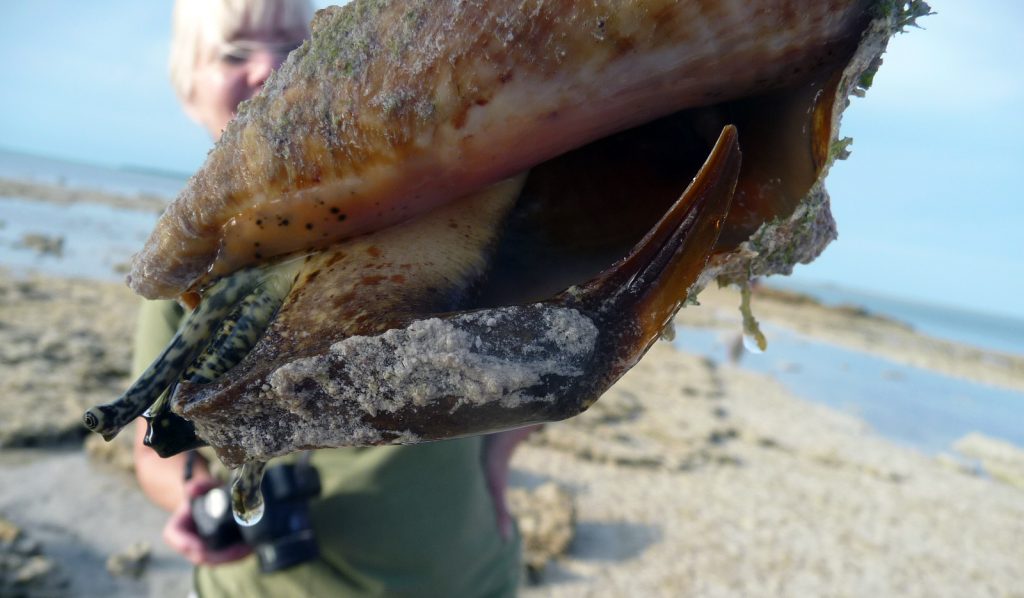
(447, 217)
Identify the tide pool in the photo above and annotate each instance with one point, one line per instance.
(909, 405)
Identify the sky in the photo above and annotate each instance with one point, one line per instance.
(928, 204)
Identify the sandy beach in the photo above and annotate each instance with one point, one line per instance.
(692, 476)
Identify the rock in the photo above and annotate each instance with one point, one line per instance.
(33, 569)
(547, 519)
(24, 570)
(43, 244)
(8, 532)
(1002, 460)
(132, 562)
(64, 346)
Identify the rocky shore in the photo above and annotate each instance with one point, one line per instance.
(690, 477)
(67, 195)
(718, 482)
(858, 329)
(64, 346)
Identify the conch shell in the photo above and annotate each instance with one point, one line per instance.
(421, 177)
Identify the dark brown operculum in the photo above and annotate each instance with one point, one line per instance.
(480, 371)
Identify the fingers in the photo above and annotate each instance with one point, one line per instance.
(199, 486)
(496, 472)
(497, 452)
(180, 531)
(180, 534)
(227, 555)
(501, 513)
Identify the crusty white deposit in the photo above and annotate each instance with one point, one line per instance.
(433, 359)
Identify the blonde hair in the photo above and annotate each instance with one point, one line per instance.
(200, 26)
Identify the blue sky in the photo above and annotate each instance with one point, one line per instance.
(928, 205)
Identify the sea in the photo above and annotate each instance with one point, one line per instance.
(912, 406)
(994, 332)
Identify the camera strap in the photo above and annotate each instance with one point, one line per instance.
(190, 464)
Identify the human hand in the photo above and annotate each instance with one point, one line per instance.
(497, 453)
(180, 530)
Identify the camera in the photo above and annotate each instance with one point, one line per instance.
(283, 537)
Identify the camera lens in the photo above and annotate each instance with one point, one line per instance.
(211, 513)
(284, 537)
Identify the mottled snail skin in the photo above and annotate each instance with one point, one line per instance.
(394, 108)
(237, 334)
(168, 433)
(108, 419)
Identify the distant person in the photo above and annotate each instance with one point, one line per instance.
(424, 520)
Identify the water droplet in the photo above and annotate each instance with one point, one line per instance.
(752, 343)
(247, 504)
(251, 516)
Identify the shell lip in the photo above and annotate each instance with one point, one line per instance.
(549, 360)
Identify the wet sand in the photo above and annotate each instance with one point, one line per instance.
(68, 195)
(690, 477)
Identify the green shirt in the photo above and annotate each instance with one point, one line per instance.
(412, 520)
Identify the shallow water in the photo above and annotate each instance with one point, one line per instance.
(97, 239)
(910, 405)
(990, 331)
(38, 169)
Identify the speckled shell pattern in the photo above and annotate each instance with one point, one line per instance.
(395, 108)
